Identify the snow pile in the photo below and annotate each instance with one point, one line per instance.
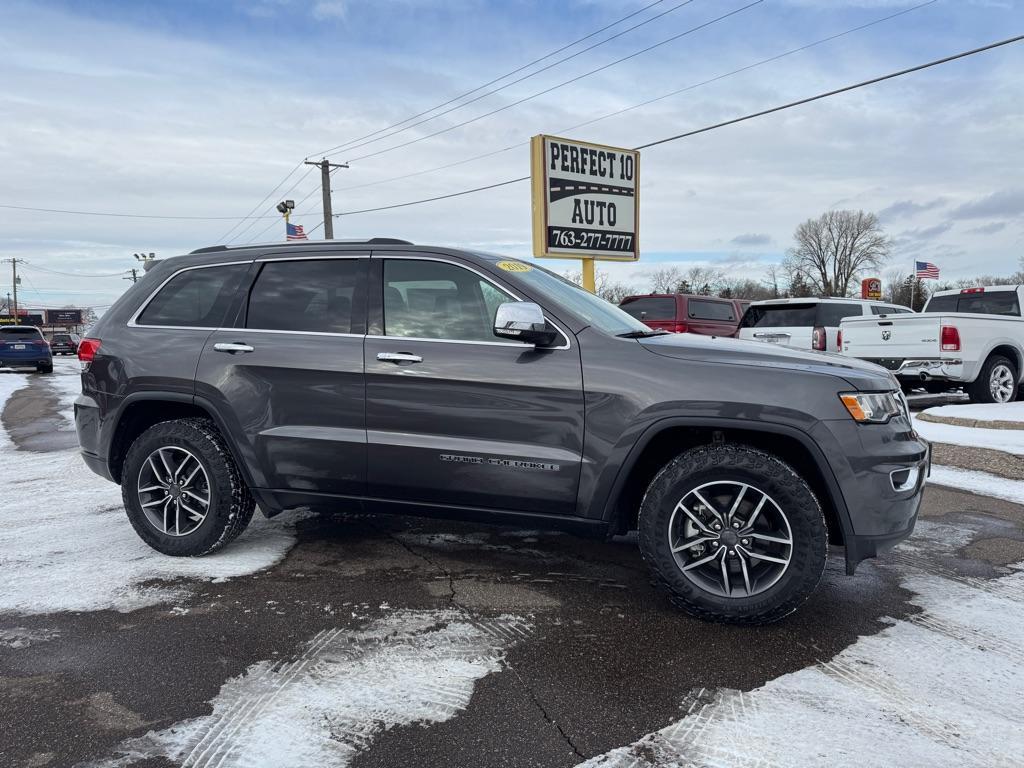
(1006, 440)
(981, 412)
(981, 483)
(942, 687)
(331, 701)
(67, 544)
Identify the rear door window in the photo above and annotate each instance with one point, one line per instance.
(196, 298)
(708, 309)
(830, 315)
(309, 296)
(650, 307)
(780, 316)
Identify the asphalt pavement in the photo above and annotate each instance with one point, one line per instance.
(596, 659)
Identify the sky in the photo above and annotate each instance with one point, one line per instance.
(198, 109)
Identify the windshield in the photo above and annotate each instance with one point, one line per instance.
(593, 310)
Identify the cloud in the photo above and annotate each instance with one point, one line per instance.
(751, 239)
(926, 233)
(988, 229)
(1006, 202)
(330, 9)
(908, 208)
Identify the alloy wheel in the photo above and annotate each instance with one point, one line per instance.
(730, 539)
(1001, 384)
(174, 491)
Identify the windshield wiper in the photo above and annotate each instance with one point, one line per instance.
(641, 334)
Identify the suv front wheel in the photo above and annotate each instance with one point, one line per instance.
(734, 534)
(182, 490)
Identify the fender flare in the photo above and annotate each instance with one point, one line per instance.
(824, 469)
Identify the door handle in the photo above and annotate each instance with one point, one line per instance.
(232, 347)
(398, 357)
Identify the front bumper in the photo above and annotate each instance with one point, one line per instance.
(881, 470)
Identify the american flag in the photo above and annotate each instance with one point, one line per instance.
(296, 232)
(927, 271)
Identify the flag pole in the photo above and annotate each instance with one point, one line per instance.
(913, 285)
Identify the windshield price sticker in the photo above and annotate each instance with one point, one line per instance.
(585, 200)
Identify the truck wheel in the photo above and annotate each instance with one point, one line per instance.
(997, 382)
(182, 491)
(734, 534)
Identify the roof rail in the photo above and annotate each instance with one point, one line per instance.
(303, 243)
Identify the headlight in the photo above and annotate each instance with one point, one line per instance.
(872, 407)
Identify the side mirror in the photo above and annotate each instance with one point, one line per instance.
(523, 321)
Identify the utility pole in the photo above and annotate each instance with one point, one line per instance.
(134, 276)
(325, 190)
(14, 284)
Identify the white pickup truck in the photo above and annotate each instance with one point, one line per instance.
(971, 338)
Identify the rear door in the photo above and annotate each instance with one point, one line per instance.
(289, 376)
(456, 416)
(711, 317)
(658, 312)
(791, 324)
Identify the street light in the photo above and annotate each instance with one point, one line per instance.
(148, 260)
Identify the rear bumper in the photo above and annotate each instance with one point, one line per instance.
(924, 369)
(24, 362)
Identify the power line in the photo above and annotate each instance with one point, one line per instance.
(356, 143)
(499, 79)
(751, 116)
(254, 219)
(37, 268)
(523, 100)
(261, 202)
(122, 215)
(641, 104)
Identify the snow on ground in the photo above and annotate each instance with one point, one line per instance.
(982, 412)
(942, 687)
(981, 483)
(67, 544)
(331, 700)
(1006, 440)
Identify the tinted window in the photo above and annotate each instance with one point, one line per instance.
(779, 316)
(437, 300)
(197, 298)
(703, 309)
(320, 296)
(20, 332)
(829, 315)
(650, 307)
(995, 303)
(61, 337)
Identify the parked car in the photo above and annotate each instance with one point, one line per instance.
(389, 377)
(685, 313)
(24, 346)
(65, 343)
(808, 323)
(971, 338)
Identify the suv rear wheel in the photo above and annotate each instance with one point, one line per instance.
(734, 534)
(182, 490)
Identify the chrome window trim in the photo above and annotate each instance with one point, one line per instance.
(299, 257)
(133, 320)
(293, 333)
(398, 256)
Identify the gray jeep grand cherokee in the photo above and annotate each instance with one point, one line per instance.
(388, 377)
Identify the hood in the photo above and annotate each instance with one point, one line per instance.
(716, 349)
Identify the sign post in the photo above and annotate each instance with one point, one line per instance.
(586, 202)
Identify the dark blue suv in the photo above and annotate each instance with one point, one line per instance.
(24, 346)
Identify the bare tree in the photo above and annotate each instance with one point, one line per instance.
(837, 247)
(604, 286)
(666, 280)
(702, 280)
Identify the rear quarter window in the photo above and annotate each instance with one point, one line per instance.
(706, 309)
(195, 298)
(650, 307)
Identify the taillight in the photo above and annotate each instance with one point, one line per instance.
(949, 339)
(839, 340)
(87, 349)
(818, 339)
(680, 328)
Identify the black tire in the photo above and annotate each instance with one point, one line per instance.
(44, 368)
(767, 474)
(231, 506)
(980, 390)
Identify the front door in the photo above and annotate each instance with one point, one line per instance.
(290, 378)
(456, 416)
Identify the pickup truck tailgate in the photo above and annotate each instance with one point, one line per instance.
(892, 338)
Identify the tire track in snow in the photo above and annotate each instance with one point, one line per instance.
(942, 687)
(333, 699)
